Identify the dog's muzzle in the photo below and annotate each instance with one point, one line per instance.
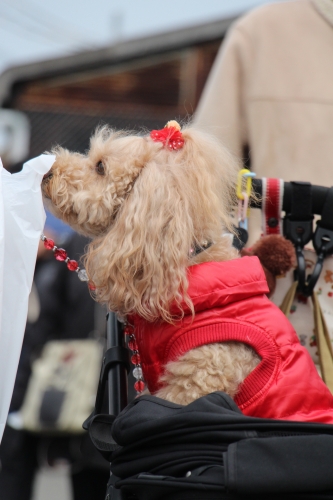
(48, 176)
(45, 188)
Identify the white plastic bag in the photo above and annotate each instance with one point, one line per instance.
(22, 219)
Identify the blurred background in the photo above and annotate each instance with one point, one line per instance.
(67, 66)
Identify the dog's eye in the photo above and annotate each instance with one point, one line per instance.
(100, 168)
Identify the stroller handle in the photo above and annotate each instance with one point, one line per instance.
(319, 194)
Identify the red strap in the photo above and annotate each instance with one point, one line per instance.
(272, 199)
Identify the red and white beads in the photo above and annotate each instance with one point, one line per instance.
(61, 255)
(139, 385)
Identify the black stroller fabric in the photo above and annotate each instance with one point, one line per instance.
(210, 448)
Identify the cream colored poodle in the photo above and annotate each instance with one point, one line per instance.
(155, 205)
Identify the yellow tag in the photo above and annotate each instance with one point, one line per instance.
(240, 181)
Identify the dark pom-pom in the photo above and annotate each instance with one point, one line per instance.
(276, 253)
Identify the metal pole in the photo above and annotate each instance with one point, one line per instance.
(117, 377)
(117, 386)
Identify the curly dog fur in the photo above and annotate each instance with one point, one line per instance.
(145, 207)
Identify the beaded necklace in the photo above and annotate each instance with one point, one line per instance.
(60, 254)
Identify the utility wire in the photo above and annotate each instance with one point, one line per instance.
(44, 19)
(37, 23)
(16, 27)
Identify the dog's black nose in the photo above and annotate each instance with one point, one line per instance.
(48, 176)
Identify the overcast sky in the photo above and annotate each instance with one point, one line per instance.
(41, 29)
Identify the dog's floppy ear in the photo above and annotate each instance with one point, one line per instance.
(139, 265)
(179, 200)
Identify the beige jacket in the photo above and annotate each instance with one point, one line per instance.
(271, 88)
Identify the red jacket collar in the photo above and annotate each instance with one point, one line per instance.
(213, 284)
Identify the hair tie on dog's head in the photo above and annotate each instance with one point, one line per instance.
(170, 136)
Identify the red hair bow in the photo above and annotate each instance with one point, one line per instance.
(170, 136)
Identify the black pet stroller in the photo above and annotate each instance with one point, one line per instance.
(209, 449)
